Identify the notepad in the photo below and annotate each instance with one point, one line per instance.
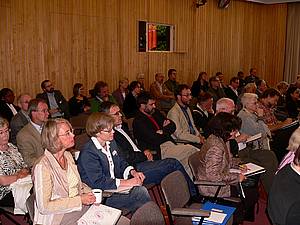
(100, 215)
(254, 137)
(253, 169)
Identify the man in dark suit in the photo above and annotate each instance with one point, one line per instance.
(130, 107)
(232, 90)
(101, 166)
(21, 118)
(7, 107)
(58, 106)
(154, 170)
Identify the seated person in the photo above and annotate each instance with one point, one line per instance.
(100, 94)
(203, 111)
(153, 131)
(120, 93)
(284, 193)
(292, 101)
(267, 102)
(154, 170)
(61, 197)
(79, 102)
(181, 115)
(7, 107)
(232, 90)
(100, 165)
(130, 107)
(12, 166)
(200, 85)
(216, 161)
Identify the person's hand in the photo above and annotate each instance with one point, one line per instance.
(88, 198)
(166, 123)
(131, 182)
(242, 177)
(138, 175)
(202, 139)
(22, 173)
(86, 108)
(242, 138)
(260, 112)
(159, 132)
(288, 120)
(243, 168)
(148, 154)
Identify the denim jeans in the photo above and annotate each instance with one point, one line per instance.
(155, 171)
(137, 197)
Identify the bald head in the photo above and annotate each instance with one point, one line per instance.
(225, 105)
(23, 100)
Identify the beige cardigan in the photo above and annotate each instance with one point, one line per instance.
(51, 190)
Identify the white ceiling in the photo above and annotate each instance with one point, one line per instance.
(272, 1)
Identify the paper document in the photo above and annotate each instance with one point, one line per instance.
(253, 169)
(253, 138)
(120, 190)
(100, 215)
(294, 123)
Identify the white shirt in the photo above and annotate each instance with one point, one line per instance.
(110, 160)
(12, 108)
(37, 127)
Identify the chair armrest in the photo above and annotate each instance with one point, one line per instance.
(232, 199)
(208, 183)
(190, 212)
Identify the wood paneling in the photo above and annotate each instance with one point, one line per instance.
(70, 41)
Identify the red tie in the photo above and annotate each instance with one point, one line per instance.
(154, 122)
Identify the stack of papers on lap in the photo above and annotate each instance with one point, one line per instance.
(253, 138)
(120, 190)
(100, 215)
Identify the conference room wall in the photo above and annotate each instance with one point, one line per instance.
(85, 41)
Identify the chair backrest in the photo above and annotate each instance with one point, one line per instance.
(175, 189)
(194, 163)
(80, 140)
(78, 122)
(30, 206)
(148, 214)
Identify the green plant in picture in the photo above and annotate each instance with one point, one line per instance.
(162, 38)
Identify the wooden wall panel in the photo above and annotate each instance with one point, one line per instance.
(71, 41)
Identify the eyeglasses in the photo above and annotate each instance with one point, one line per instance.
(6, 131)
(68, 133)
(108, 131)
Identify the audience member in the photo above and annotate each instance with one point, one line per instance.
(100, 95)
(12, 166)
(140, 77)
(292, 101)
(215, 89)
(216, 162)
(203, 111)
(200, 85)
(267, 103)
(7, 107)
(164, 98)
(262, 157)
(121, 92)
(171, 83)
(60, 196)
(232, 90)
(101, 166)
(282, 87)
(252, 77)
(130, 107)
(261, 87)
(181, 115)
(220, 75)
(79, 103)
(284, 194)
(241, 77)
(57, 104)
(250, 88)
(294, 144)
(21, 118)
(153, 131)
(29, 137)
(154, 171)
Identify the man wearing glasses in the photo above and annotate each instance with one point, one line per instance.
(29, 137)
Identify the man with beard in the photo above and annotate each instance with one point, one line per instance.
(181, 114)
(268, 102)
(58, 106)
(153, 131)
(154, 170)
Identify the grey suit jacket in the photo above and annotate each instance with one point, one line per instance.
(29, 144)
(16, 124)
